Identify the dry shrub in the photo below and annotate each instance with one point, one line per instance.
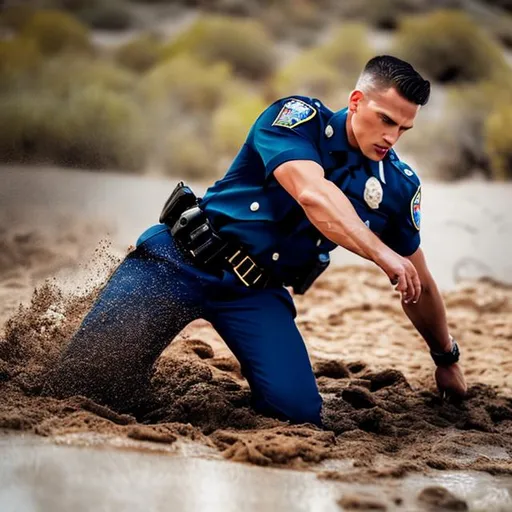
(449, 47)
(243, 44)
(328, 70)
(308, 76)
(187, 82)
(140, 54)
(384, 14)
(55, 31)
(64, 73)
(15, 17)
(232, 121)
(112, 15)
(92, 128)
(188, 154)
(498, 141)
(17, 57)
(464, 140)
(298, 20)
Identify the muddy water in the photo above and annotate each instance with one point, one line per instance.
(37, 475)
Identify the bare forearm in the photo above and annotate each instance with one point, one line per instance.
(428, 315)
(334, 216)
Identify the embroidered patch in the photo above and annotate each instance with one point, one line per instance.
(416, 209)
(373, 193)
(293, 113)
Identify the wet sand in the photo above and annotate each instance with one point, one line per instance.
(383, 417)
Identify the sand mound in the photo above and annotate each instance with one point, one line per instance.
(380, 407)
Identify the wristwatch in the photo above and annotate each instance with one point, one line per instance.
(446, 358)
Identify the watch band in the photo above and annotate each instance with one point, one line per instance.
(446, 358)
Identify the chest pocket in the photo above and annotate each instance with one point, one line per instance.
(376, 220)
(271, 203)
(353, 184)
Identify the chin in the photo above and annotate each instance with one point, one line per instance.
(371, 154)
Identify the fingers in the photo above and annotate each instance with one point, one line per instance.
(417, 286)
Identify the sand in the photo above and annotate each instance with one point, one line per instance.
(383, 416)
(381, 409)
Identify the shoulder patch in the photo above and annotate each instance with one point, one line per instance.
(416, 209)
(293, 113)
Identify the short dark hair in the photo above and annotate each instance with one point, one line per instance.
(386, 71)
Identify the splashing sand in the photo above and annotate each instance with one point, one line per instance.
(381, 410)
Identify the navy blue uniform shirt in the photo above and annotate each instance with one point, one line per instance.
(248, 203)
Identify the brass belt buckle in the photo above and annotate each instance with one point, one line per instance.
(238, 272)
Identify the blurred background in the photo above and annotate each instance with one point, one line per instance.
(170, 87)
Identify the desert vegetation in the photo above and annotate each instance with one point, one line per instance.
(181, 100)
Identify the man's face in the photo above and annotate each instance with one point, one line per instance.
(378, 119)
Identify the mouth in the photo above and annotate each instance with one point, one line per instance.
(381, 150)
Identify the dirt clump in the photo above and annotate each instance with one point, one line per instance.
(439, 498)
(388, 421)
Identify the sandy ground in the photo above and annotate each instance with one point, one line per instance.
(383, 418)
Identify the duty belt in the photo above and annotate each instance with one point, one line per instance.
(192, 230)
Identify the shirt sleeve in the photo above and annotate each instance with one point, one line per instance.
(403, 233)
(286, 131)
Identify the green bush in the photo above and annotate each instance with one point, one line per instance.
(448, 47)
(498, 141)
(93, 128)
(243, 44)
(233, 119)
(140, 54)
(55, 31)
(186, 82)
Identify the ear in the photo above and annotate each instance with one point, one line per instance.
(353, 100)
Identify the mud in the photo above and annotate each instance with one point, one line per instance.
(381, 409)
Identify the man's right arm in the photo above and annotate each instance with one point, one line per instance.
(331, 212)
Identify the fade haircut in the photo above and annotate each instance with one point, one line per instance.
(385, 71)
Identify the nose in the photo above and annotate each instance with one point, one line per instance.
(391, 137)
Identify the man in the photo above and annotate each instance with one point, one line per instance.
(305, 181)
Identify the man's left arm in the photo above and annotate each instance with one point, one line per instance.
(428, 315)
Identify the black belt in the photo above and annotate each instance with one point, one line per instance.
(196, 236)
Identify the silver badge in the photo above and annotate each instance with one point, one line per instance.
(329, 131)
(373, 193)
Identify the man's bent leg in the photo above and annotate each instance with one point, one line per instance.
(259, 328)
(144, 305)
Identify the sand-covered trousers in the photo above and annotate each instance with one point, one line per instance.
(151, 297)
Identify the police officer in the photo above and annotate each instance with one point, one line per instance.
(306, 180)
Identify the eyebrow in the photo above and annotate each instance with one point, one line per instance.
(394, 122)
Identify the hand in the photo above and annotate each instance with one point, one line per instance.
(403, 274)
(450, 381)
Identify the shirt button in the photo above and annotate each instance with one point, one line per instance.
(255, 206)
(329, 131)
(319, 242)
(275, 256)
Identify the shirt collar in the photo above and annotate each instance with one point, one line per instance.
(336, 132)
(338, 143)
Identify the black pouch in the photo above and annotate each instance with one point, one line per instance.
(181, 199)
(304, 281)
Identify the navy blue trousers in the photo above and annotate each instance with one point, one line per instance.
(152, 296)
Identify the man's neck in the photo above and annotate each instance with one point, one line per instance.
(350, 133)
